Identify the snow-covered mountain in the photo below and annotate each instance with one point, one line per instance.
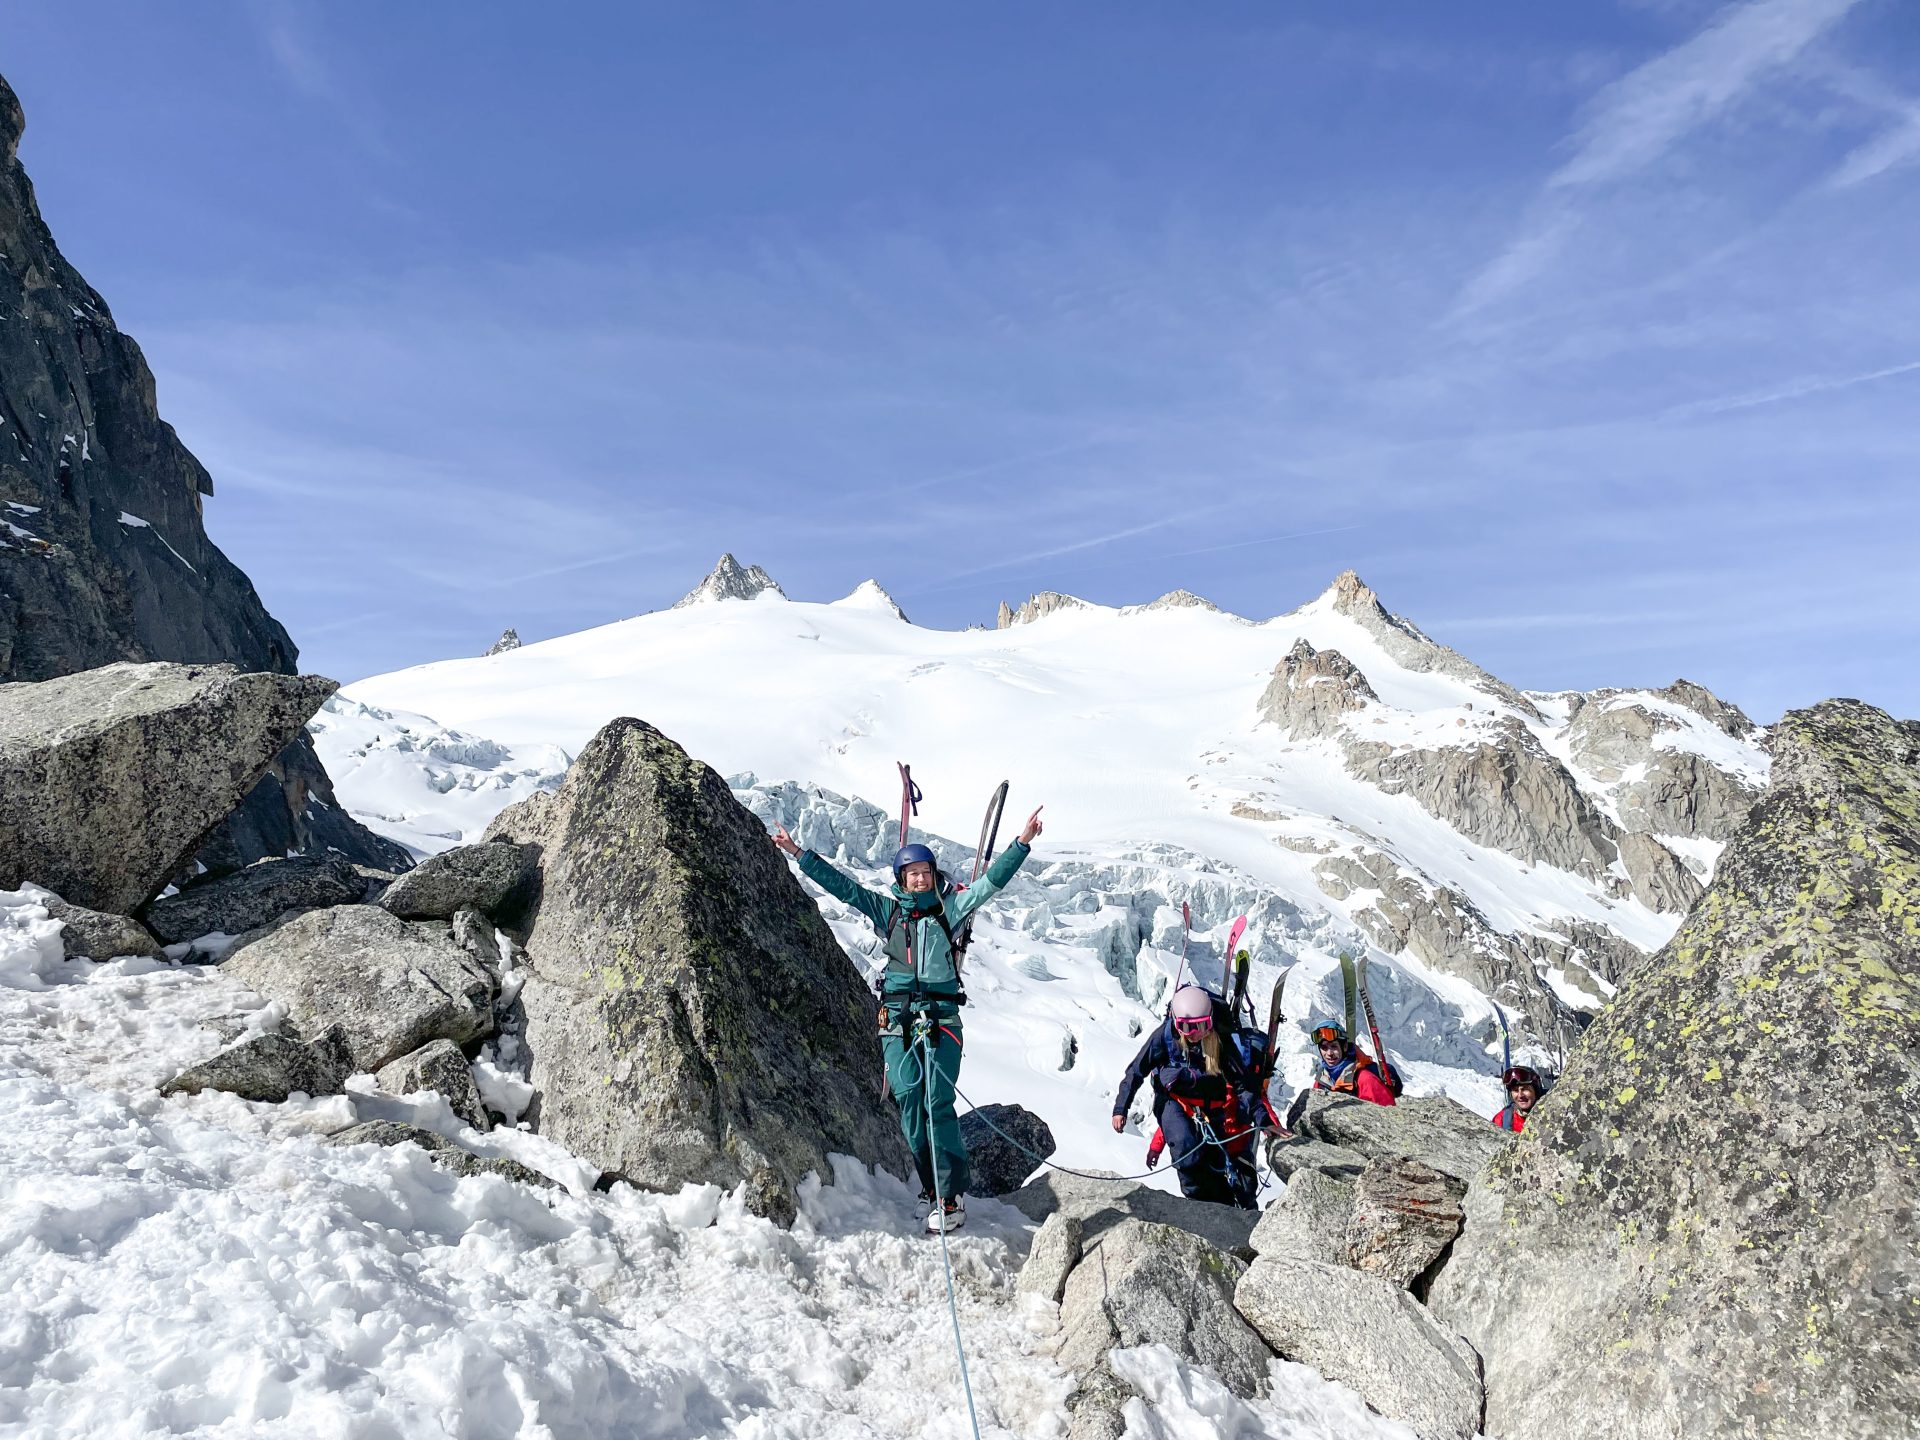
(1332, 772)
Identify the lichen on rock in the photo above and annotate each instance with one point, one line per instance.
(1707, 1227)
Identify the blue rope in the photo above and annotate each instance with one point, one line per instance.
(1206, 1139)
(929, 1070)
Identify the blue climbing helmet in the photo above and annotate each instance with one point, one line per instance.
(912, 855)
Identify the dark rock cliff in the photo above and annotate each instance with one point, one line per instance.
(103, 556)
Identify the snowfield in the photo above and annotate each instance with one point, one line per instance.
(208, 1266)
(205, 1266)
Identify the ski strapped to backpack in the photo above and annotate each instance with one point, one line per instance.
(1349, 984)
(982, 857)
(1506, 1040)
(1389, 1072)
(909, 798)
(1186, 936)
(1233, 968)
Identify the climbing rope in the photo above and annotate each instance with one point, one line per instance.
(923, 1037)
(1207, 1138)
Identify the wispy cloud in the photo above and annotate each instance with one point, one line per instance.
(1634, 121)
(1639, 117)
(1267, 540)
(286, 28)
(1898, 145)
(1795, 390)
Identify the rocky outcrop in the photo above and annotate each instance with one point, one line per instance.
(1313, 691)
(390, 984)
(689, 1015)
(1371, 1335)
(1442, 928)
(1405, 1217)
(103, 555)
(729, 580)
(440, 1150)
(256, 896)
(1660, 877)
(109, 779)
(1000, 1165)
(1664, 789)
(1724, 1246)
(271, 1068)
(1100, 1204)
(1036, 607)
(95, 934)
(439, 1067)
(1506, 793)
(509, 640)
(1175, 600)
(1436, 1131)
(1138, 1283)
(497, 878)
(1056, 1250)
(1309, 1219)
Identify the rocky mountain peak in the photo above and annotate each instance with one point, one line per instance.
(730, 580)
(509, 640)
(1351, 593)
(1723, 714)
(1178, 600)
(1036, 606)
(1408, 644)
(872, 595)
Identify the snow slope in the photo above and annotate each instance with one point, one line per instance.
(1135, 727)
(204, 1266)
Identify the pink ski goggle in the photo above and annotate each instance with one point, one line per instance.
(1198, 1026)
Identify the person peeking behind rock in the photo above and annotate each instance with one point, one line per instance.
(1523, 1093)
(1345, 1068)
(920, 997)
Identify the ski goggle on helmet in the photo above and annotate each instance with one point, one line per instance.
(1192, 1010)
(1323, 1034)
(1521, 1075)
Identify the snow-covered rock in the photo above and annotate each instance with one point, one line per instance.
(420, 783)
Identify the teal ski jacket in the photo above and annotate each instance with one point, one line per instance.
(918, 955)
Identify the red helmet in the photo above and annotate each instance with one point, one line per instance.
(1521, 1075)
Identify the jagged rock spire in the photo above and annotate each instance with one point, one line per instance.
(509, 640)
(1045, 603)
(730, 580)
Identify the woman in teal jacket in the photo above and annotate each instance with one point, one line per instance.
(918, 917)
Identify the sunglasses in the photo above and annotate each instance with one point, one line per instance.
(1193, 1027)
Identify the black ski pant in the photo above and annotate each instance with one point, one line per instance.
(1205, 1169)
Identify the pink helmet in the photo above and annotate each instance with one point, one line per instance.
(1194, 1006)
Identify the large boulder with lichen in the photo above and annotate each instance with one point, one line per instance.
(689, 1015)
(1708, 1226)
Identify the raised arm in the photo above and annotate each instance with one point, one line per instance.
(877, 908)
(1004, 865)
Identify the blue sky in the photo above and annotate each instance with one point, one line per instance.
(1588, 333)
